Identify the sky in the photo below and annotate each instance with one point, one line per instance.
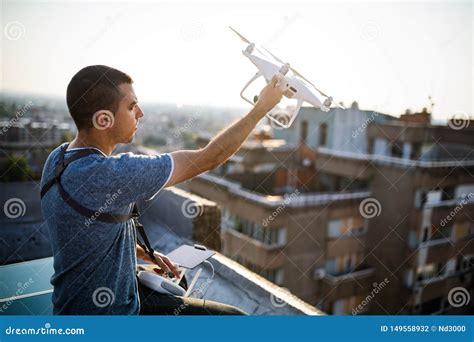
(387, 56)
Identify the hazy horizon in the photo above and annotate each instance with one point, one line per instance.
(386, 56)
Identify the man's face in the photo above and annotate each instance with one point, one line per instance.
(127, 115)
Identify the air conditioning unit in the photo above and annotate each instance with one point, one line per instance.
(319, 273)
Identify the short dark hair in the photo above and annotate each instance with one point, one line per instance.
(93, 88)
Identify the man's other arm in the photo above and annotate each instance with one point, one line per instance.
(190, 163)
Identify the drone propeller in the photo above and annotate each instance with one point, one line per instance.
(298, 74)
(274, 57)
(329, 99)
(241, 37)
(294, 71)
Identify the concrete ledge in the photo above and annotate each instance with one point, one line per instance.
(272, 299)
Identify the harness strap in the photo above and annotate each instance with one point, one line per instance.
(62, 165)
(141, 231)
(99, 216)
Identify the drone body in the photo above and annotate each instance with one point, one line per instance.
(292, 83)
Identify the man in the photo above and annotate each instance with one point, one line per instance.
(94, 261)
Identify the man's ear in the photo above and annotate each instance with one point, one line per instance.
(103, 119)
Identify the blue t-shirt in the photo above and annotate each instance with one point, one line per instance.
(94, 261)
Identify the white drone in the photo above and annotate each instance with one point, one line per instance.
(293, 84)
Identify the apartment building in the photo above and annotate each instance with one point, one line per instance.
(278, 222)
(32, 140)
(313, 236)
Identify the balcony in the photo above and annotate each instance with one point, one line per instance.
(201, 184)
(260, 254)
(343, 277)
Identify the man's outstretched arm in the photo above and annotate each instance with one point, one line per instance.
(188, 164)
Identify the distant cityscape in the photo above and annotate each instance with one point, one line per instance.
(352, 211)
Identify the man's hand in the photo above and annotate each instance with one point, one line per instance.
(269, 97)
(165, 264)
(161, 260)
(188, 164)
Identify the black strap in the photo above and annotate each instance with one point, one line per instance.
(62, 165)
(94, 215)
(145, 245)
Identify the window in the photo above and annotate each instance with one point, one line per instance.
(304, 132)
(463, 190)
(448, 194)
(441, 233)
(323, 134)
(415, 151)
(408, 278)
(433, 197)
(428, 271)
(331, 266)
(274, 236)
(334, 228)
(346, 226)
(461, 230)
(412, 238)
(343, 264)
(380, 147)
(467, 262)
(370, 146)
(420, 199)
(275, 275)
(406, 150)
(396, 149)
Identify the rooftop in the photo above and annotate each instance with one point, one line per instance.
(25, 287)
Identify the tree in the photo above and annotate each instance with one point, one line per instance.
(16, 169)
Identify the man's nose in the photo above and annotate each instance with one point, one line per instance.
(139, 112)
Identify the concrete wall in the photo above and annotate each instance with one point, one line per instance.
(189, 216)
(23, 232)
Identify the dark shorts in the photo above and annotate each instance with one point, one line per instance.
(154, 303)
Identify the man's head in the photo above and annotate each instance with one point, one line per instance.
(101, 98)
